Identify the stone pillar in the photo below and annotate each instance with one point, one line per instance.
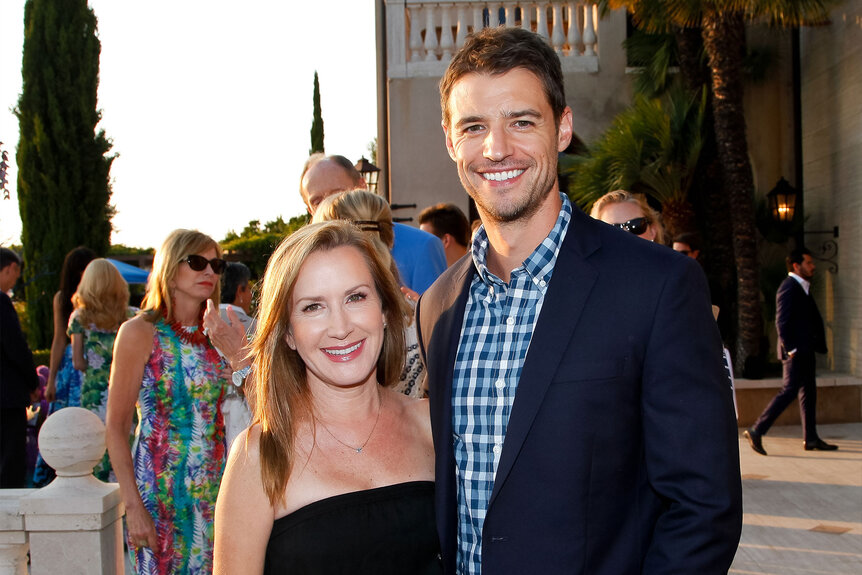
(75, 523)
(13, 537)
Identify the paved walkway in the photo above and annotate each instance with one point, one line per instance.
(803, 509)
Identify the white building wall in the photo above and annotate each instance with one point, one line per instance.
(832, 152)
(421, 170)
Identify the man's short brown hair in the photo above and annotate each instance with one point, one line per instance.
(447, 219)
(496, 51)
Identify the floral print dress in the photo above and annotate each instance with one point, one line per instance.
(179, 452)
(98, 351)
(68, 394)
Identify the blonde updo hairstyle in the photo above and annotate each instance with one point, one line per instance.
(278, 388)
(179, 244)
(102, 297)
(367, 211)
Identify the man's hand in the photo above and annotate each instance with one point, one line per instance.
(229, 338)
(411, 295)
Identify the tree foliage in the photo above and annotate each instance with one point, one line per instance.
(64, 186)
(316, 122)
(653, 148)
(722, 26)
(255, 243)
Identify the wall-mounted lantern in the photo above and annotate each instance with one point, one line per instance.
(782, 202)
(782, 206)
(369, 172)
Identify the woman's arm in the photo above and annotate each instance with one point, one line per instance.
(244, 516)
(132, 350)
(78, 359)
(58, 348)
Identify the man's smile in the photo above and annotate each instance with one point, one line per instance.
(502, 176)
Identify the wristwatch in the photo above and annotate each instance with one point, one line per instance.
(239, 376)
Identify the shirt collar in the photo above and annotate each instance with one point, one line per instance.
(540, 263)
(806, 285)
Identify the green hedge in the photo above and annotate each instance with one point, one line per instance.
(41, 357)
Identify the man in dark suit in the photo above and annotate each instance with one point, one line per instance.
(582, 417)
(18, 379)
(800, 336)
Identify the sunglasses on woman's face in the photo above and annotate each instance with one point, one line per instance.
(637, 226)
(199, 263)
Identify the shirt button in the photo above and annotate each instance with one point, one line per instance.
(543, 283)
(499, 384)
(497, 448)
(510, 321)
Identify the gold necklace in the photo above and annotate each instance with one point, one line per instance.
(367, 439)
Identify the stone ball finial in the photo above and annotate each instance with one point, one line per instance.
(72, 441)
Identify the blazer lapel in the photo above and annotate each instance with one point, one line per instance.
(442, 343)
(569, 290)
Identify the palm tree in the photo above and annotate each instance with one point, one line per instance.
(722, 23)
(652, 148)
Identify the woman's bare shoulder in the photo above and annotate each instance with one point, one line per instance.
(246, 447)
(135, 334)
(138, 326)
(416, 411)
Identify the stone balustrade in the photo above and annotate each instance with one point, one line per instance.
(422, 35)
(73, 525)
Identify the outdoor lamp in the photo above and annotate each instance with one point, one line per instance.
(782, 205)
(782, 201)
(369, 172)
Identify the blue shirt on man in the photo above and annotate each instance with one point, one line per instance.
(419, 256)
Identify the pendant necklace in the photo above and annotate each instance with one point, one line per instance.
(367, 439)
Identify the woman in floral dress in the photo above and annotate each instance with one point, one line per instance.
(101, 305)
(64, 381)
(164, 363)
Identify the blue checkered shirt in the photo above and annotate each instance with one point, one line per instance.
(498, 324)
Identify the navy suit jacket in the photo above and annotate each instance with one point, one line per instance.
(798, 321)
(621, 453)
(17, 372)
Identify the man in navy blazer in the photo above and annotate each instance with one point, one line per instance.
(800, 336)
(582, 416)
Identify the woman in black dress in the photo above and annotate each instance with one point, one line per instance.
(335, 475)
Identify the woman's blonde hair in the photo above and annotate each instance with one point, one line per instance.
(178, 245)
(278, 389)
(102, 297)
(620, 196)
(367, 211)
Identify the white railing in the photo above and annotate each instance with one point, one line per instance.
(74, 524)
(422, 35)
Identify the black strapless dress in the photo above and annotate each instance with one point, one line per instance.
(387, 530)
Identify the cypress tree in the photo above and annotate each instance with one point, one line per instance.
(317, 122)
(63, 168)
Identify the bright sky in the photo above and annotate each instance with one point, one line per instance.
(209, 104)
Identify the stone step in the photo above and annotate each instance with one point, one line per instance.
(839, 399)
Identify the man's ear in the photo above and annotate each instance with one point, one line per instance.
(449, 147)
(564, 133)
(447, 240)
